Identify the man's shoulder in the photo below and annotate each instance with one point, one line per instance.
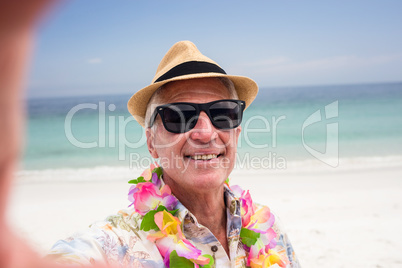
(283, 245)
(125, 220)
(115, 240)
(277, 224)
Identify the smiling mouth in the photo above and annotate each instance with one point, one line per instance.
(204, 157)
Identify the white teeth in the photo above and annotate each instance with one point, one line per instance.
(203, 157)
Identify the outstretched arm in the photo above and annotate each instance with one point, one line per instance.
(18, 20)
(17, 25)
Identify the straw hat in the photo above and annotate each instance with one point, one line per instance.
(184, 61)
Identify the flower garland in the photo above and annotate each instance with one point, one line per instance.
(156, 204)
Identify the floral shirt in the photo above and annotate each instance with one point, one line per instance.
(119, 241)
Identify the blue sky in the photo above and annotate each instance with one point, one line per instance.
(100, 47)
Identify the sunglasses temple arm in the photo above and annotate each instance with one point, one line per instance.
(153, 117)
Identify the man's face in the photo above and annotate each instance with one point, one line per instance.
(177, 152)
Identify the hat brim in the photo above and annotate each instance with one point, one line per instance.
(245, 87)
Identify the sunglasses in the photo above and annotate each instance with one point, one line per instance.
(181, 117)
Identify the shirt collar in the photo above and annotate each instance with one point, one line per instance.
(232, 204)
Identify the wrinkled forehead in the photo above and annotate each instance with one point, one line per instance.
(193, 90)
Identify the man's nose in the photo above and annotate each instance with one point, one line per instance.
(203, 131)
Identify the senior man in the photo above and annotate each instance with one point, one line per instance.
(184, 212)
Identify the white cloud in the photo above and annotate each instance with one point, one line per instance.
(94, 61)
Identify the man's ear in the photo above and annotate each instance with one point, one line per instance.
(238, 130)
(150, 142)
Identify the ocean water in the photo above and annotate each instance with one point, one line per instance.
(283, 126)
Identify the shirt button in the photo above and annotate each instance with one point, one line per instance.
(214, 248)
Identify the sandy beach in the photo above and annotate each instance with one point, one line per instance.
(329, 84)
(335, 217)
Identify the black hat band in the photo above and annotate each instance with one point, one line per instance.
(191, 67)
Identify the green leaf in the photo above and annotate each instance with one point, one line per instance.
(158, 171)
(138, 180)
(211, 261)
(248, 237)
(173, 211)
(161, 208)
(148, 222)
(179, 262)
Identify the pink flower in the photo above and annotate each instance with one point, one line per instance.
(146, 196)
(170, 238)
(247, 206)
(259, 221)
(268, 259)
(147, 174)
(262, 220)
(264, 244)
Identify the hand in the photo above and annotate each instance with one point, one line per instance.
(17, 25)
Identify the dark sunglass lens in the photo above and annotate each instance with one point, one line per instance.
(226, 114)
(178, 116)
